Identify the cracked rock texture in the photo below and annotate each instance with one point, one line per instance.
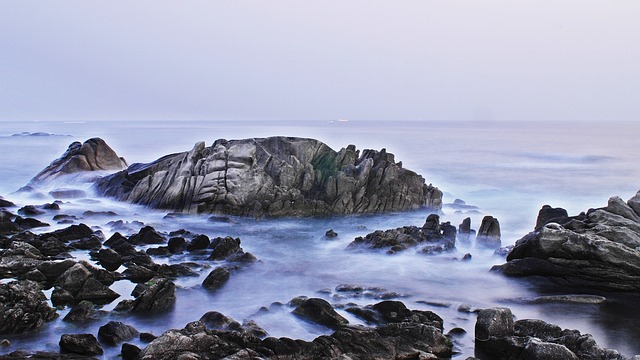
(273, 177)
(92, 155)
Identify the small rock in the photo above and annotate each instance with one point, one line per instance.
(216, 278)
(115, 332)
(330, 233)
(82, 344)
(321, 312)
(129, 351)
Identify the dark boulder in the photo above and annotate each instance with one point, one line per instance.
(273, 177)
(433, 237)
(320, 312)
(23, 307)
(331, 234)
(30, 210)
(498, 337)
(216, 278)
(158, 297)
(489, 232)
(29, 223)
(82, 344)
(83, 312)
(109, 259)
(130, 352)
(115, 332)
(73, 232)
(147, 235)
(224, 247)
(548, 214)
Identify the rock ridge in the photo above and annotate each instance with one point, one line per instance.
(273, 177)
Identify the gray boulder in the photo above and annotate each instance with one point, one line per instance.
(273, 177)
(433, 236)
(549, 214)
(93, 155)
(599, 250)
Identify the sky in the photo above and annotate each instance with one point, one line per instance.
(82, 60)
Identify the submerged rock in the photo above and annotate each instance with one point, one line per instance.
(600, 250)
(273, 177)
(321, 312)
(433, 236)
(82, 344)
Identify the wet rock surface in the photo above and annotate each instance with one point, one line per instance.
(432, 237)
(23, 307)
(273, 177)
(92, 155)
(598, 250)
(499, 337)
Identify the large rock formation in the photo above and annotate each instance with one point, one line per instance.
(599, 249)
(272, 177)
(93, 155)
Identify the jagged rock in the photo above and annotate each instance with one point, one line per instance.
(30, 210)
(600, 250)
(216, 278)
(273, 177)
(489, 232)
(83, 312)
(548, 214)
(109, 259)
(498, 337)
(147, 235)
(407, 339)
(82, 344)
(434, 236)
(115, 332)
(29, 223)
(78, 283)
(73, 232)
(94, 154)
(158, 297)
(464, 229)
(224, 247)
(321, 312)
(23, 307)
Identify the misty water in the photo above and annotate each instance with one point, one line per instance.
(505, 169)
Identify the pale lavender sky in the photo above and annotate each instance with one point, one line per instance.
(377, 60)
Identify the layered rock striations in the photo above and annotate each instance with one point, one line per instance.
(599, 249)
(92, 155)
(273, 177)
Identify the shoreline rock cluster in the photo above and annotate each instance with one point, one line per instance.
(259, 177)
(599, 249)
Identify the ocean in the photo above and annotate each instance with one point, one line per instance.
(504, 169)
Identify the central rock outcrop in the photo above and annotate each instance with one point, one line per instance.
(273, 177)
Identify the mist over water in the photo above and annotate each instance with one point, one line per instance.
(506, 169)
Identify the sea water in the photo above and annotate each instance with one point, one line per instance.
(505, 169)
